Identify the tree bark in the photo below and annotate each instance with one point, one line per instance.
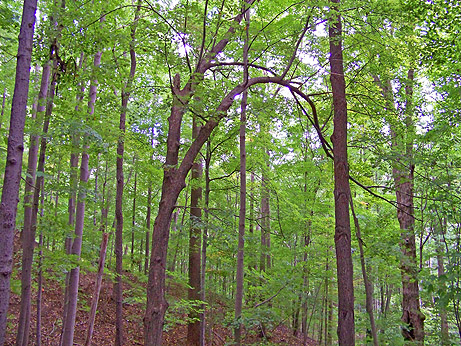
(366, 280)
(13, 167)
(29, 232)
(97, 289)
(76, 248)
(403, 175)
(69, 323)
(148, 217)
(133, 215)
(174, 182)
(204, 244)
(243, 191)
(3, 107)
(118, 289)
(193, 327)
(38, 333)
(346, 328)
(27, 239)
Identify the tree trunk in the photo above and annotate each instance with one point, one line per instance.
(118, 289)
(204, 244)
(3, 107)
(403, 172)
(444, 330)
(366, 280)
(403, 175)
(27, 239)
(29, 233)
(265, 224)
(346, 329)
(148, 217)
(97, 288)
(243, 192)
(76, 248)
(133, 215)
(12, 176)
(69, 323)
(73, 184)
(193, 327)
(38, 336)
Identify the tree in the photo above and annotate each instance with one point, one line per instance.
(12, 177)
(346, 329)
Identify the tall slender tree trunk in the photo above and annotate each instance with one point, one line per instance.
(29, 233)
(13, 167)
(38, 329)
(265, 225)
(76, 248)
(403, 172)
(2, 113)
(133, 214)
(403, 175)
(97, 288)
(148, 217)
(243, 192)
(28, 241)
(204, 243)
(346, 328)
(193, 327)
(118, 289)
(366, 280)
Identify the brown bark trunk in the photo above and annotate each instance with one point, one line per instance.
(265, 224)
(3, 107)
(69, 323)
(243, 192)
(73, 184)
(28, 240)
(346, 328)
(15, 149)
(204, 244)
(366, 280)
(70, 304)
(174, 179)
(193, 327)
(403, 174)
(444, 331)
(97, 289)
(38, 333)
(118, 289)
(148, 217)
(133, 215)
(29, 232)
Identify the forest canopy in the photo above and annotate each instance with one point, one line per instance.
(230, 172)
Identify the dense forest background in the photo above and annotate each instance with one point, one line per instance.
(230, 172)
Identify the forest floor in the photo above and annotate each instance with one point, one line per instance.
(104, 331)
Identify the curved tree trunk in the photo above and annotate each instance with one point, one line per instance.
(12, 177)
(346, 329)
